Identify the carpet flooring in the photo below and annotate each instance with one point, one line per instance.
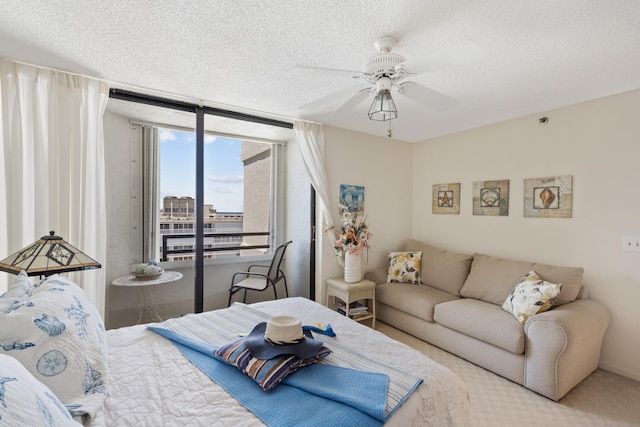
(603, 399)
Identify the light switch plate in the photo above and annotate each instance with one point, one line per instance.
(631, 243)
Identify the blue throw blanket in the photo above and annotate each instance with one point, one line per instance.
(343, 389)
(316, 395)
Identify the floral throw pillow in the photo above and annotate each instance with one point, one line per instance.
(404, 267)
(531, 296)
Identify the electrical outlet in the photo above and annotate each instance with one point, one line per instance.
(631, 243)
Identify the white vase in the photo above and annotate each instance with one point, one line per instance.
(352, 268)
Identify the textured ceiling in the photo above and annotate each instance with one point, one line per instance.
(248, 55)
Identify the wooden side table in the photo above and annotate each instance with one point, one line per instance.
(350, 292)
(149, 305)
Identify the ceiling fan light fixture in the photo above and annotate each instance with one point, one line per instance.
(383, 108)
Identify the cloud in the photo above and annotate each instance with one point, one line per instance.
(167, 135)
(226, 189)
(226, 179)
(208, 139)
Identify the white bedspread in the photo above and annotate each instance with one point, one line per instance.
(152, 384)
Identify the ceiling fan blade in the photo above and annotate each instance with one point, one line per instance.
(429, 97)
(354, 101)
(453, 56)
(314, 105)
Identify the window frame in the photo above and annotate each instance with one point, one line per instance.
(277, 201)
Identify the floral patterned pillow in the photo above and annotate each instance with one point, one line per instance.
(531, 296)
(404, 267)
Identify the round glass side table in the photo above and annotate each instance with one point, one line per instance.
(146, 296)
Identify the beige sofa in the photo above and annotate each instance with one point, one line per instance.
(458, 307)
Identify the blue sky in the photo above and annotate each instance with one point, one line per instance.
(223, 169)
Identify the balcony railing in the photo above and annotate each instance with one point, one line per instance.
(226, 247)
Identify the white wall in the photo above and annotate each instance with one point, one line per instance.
(383, 166)
(598, 143)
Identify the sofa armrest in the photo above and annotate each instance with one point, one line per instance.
(563, 346)
(377, 275)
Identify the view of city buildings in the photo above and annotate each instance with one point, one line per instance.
(177, 218)
(224, 232)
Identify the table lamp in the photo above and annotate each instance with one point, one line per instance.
(49, 255)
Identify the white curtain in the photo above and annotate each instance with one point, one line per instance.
(310, 137)
(53, 167)
(150, 192)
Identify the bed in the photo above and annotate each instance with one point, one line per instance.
(149, 381)
(152, 384)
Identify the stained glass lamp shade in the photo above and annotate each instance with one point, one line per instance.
(49, 255)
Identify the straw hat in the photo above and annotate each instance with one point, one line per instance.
(281, 335)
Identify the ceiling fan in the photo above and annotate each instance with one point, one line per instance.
(387, 72)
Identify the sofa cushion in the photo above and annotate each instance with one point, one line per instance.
(531, 296)
(404, 267)
(419, 301)
(569, 277)
(442, 269)
(492, 279)
(483, 321)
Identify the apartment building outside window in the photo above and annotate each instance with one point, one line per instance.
(238, 197)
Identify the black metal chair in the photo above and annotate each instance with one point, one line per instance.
(261, 280)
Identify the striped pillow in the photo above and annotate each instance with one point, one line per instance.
(267, 373)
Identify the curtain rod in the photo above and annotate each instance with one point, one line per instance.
(185, 106)
(211, 132)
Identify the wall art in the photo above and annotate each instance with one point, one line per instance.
(491, 197)
(446, 199)
(549, 197)
(352, 196)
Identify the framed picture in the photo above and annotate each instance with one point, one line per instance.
(491, 198)
(548, 197)
(352, 196)
(446, 199)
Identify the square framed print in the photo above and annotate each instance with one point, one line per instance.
(550, 197)
(491, 197)
(446, 199)
(352, 196)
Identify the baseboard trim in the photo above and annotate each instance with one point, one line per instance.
(620, 371)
